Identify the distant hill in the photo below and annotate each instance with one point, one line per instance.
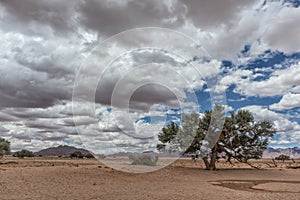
(67, 150)
(274, 152)
(120, 154)
(126, 154)
(60, 151)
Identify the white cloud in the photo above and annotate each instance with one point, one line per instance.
(279, 82)
(288, 101)
(287, 129)
(284, 34)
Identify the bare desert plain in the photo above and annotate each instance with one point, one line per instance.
(63, 178)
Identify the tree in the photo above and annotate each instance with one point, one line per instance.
(89, 156)
(4, 147)
(241, 138)
(168, 134)
(23, 153)
(283, 157)
(77, 154)
(209, 128)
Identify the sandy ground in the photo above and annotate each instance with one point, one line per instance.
(53, 178)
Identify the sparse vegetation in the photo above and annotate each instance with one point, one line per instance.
(274, 162)
(79, 154)
(23, 153)
(283, 157)
(144, 159)
(89, 156)
(76, 154)
(4, 147)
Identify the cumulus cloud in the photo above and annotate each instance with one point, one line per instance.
(279, 82)
(39, 17)
(288, 101)
(288, 130)
(112, 17)
(36, 72)
(283, 35)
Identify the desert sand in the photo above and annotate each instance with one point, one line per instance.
(61, 178)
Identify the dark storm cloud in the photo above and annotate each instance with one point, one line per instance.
(53, 73)
(112, 17)
(27, 89)
(31, 114)
(42, 124)
(56, 14)
(213, 13)
(39, 57)
(147, 95)
(79, 122)
(39, 75)
(132, 70)
(23, 136)
(39, 64)
(7, 118)
(153, 94)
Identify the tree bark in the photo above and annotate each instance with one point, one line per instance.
(207, 164)
(213, 158)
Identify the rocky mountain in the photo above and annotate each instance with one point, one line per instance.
(274, 152)
(60, 151)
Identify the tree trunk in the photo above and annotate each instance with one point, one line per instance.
(229, 160)
(213, 158)
(207, 164)
(211, 164)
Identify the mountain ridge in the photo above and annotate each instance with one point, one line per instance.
(62, 150)
(293, 152)
(65, 150)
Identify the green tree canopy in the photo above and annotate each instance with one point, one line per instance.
(167, 135)
(77, 154)
(24, 153)
(283, 157)
(4, 147)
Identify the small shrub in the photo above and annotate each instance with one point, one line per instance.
(76, 154)
(283, 157)
(4, 147)
(144, 159)
(89, 156)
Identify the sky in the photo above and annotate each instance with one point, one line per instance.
(107, 75)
